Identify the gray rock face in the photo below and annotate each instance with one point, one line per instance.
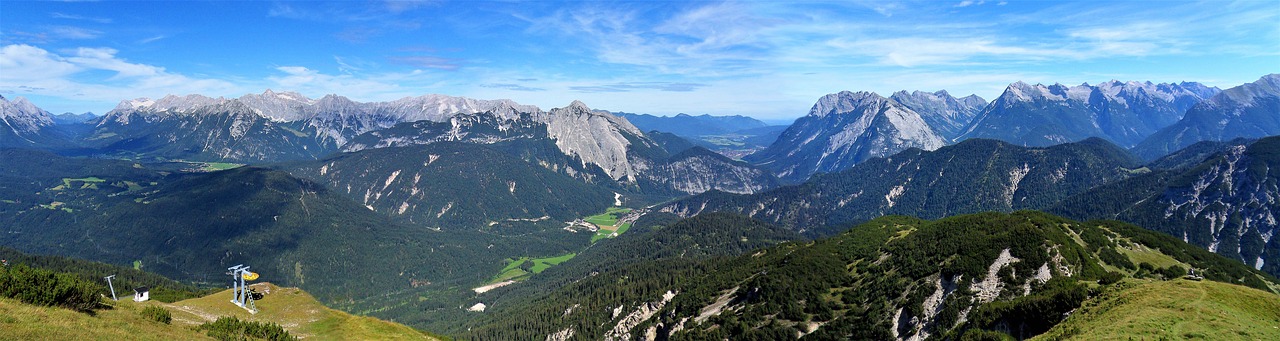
(1123, 113)
(1251, 110)
(842, 130)
(22, 117)
(1230, 206)
(947, 115)
(22, 124)
(595, 137)
(698, 170)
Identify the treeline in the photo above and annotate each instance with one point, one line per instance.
(162, 289)
(47, 288)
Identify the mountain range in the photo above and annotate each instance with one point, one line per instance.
(901, 217)
(692, 126)
(1251, 110)
(972, 176)
(1124, 113)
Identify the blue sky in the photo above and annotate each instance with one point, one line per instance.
(768, 59)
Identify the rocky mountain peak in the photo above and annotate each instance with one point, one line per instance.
(24, 116)
(578, 106)
(845, 102)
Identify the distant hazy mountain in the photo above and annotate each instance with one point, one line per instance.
(842, 130)
(280, 126)
(23, 124)
(72, 118)
(1226, 203)
(205, 129)
(973, 176)
(1123, 113)
(1251, 110)
(692, 126)
(948, 116)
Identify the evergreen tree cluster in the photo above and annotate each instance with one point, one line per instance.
(230, 328)
(47, 288)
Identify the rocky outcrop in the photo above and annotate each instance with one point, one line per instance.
(622, 330)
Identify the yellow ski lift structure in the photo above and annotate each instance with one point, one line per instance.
(249, 276)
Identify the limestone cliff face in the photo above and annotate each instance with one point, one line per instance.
(842, 130)
(23, 124)
(596, 137)
(947, 115)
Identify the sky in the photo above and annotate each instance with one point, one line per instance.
(767, 59)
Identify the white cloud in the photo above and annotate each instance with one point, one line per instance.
(31, 69)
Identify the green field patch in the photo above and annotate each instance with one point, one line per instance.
(607, 222)
(1139, 254)
(523, 267)
(57, 205)
(542, 264)
(725, 140)
(85, 183)
(133, 186)
(217, 166)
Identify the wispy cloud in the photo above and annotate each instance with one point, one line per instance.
(632, 86)
(72, 32)
(152, 39)
(60, 15)
(360, 87)
(706, 40)
(511, 86)
(430, 62)
(73, 75)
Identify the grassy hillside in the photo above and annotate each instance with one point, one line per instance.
(19, 321)
(297, 311)
(1179, 309)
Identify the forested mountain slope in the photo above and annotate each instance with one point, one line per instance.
(972, 176)
(1227, 203)
(891, 278)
